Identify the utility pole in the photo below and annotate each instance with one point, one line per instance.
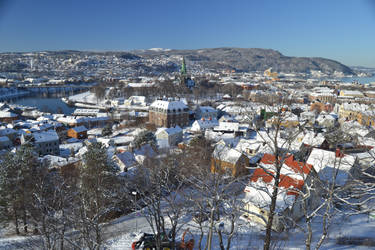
(135, 209)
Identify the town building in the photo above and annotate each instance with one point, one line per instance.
(168, 114)
(45, 143)
(259, 189)
(79, 132)
(167, 137)
(228, 160)
(7, 116)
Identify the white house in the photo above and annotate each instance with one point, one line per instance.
(326, 120)
(125, 161)
(45, 143)
(203, 124)
(167, 137)
(249, 147)
(308, 117)
(333, 166)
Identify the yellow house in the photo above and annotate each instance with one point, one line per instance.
(226, 159)
(260, 216)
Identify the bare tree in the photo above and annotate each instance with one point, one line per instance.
(158, 187)
(213, 193)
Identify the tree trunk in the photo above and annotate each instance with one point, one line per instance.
(209, 240)
(267, 241)
(229, 240)
(16, 220)
(221, 239)
(24, 219)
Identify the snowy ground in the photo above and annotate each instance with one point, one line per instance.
(122, 231)
(251, 236)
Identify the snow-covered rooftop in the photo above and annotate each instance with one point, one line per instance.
(169, 105)
(46, 136)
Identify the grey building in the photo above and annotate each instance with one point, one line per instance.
(45, 143)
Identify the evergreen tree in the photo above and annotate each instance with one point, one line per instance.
(143, 138)
(96, 196)
(107, 130)
(17, 184)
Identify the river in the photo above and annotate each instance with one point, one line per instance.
(45, 104)
(49, 99)
(362, 80)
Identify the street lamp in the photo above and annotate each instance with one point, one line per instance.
(135, 209)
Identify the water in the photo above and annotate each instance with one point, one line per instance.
(49, 99)
(359, 79)
(45, 104)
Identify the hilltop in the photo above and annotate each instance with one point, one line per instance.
(252, 59)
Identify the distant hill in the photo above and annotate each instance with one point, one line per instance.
(168, 60)
(252, 59)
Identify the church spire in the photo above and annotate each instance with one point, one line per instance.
(183, 67)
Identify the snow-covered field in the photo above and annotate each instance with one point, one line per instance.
(122, 232)
(250, 236)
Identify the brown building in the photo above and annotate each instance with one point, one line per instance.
(7, 116)
(168, 114)
(229, 160)
(78, 132)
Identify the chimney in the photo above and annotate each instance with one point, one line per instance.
(339, 154)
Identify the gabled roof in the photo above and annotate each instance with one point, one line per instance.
(206, 109)
(127, 158)
(226, 154)
(46, 136)
(7, 114)
(79, 129)
(285, 180)
(313, 140)
(203, 124)
(296, 166)
(262, 182)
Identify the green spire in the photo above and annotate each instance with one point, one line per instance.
(183, 67)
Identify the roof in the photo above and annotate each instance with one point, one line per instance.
(204, 124)
(313, 140)
(226, 154)
(4, 139)
(291, 181)
(127, 158)
(327, 164)
(285, 180)
(168, 105)
(7, 131)
(6, 114)
(321, 159)
(289, 165)
(169, 131)
(46, 136)
(206, 109)
(227, 126)
(80, 129)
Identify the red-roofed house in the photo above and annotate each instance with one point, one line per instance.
(293, 176)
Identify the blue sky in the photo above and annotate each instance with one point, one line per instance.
(343, 30)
